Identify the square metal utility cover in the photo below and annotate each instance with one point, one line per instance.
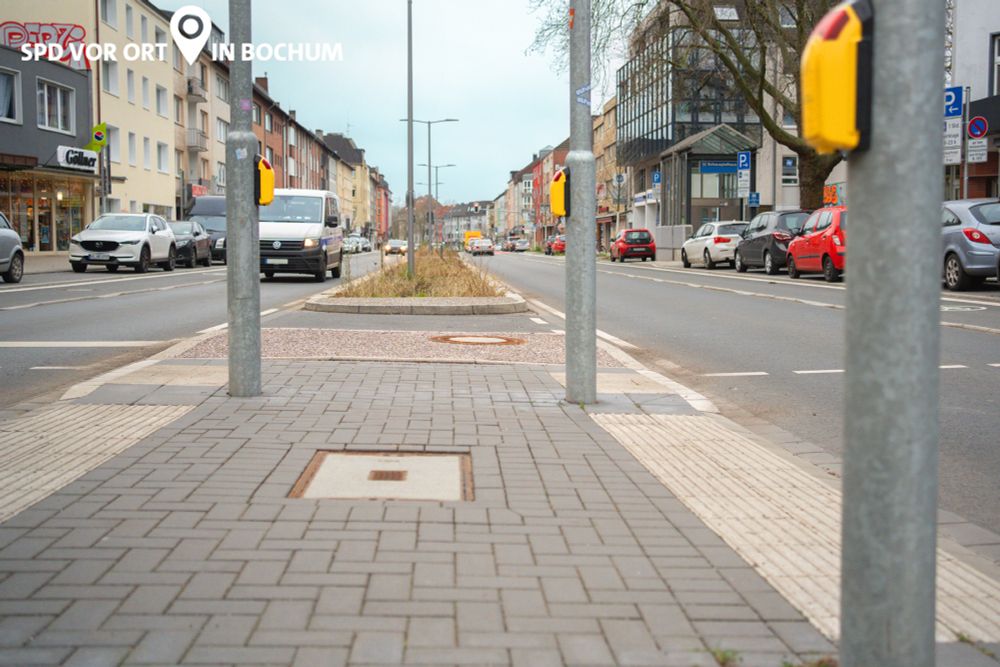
(386, 475)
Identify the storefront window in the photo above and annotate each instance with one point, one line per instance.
(69, 205)
(22, 208)
(46, 226)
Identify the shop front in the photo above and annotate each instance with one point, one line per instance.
(46, 206)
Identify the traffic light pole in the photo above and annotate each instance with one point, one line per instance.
(581, 259)
(893, 339)
(242, 236)
(410, 199)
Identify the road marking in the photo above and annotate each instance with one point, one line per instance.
(165, 274)
(995, 365)
(79, 343)
(538, 320)
(59, 368)
(600, 334)
(819, 372)
(220, 327)
(951, 366)
(735, 375)
(561, 332)
(111, 295)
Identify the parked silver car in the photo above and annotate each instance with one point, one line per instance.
(124, 239)
(11, 253)
(970, 239)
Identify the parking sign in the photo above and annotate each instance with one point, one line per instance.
(743, 160)
(953, 102)
(743, 174)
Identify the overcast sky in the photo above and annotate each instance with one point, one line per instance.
(469, 63)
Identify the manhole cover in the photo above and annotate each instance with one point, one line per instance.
(478, 340)
(961, 309)
(387, 476)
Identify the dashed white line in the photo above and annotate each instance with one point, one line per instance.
(600, 334)
(951, 366)
(561, 332)
(735, 375)
(538, 320)
(58, 368)
(108, 281)
(79, 343)
(820, 372)
(995, 365)
(220, 327)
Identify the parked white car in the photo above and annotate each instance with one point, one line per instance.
(124, 239)
(714, 242)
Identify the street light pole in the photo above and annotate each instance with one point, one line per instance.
(410, 264)
(581, 260)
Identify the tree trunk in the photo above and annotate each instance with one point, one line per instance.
(813, 172)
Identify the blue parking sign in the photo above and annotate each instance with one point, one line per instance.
(754, 200)
(953, 102)
(743, 160)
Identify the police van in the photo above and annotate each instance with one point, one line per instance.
(300, 233)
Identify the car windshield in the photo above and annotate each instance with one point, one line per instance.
(120, 223)
(213, 223)
(988, 214)
(181, 227)
(732, 229)
(293, 208)
(397, 244)
(792, 222)
(637, 237)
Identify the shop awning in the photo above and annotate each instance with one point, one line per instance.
(718, 140)
(9, 162)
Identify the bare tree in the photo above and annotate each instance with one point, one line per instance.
(756, 52)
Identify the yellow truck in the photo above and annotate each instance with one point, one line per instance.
(468, 238)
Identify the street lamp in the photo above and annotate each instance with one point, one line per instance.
(429, 123)
(437, 180)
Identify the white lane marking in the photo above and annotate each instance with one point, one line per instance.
(735, 375)
(110, 295)
(107, 281)
(995, 365)
(59, 368)
(600, 334)
(561, 332)
(220, 327)
(951, 366)
(538, 320)
(819, 372)
(79, 343)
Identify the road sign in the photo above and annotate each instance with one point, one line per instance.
(656, 178)
(754, 200)
(619, 178)
(743, 160)
(978, 127)
(953, 102)
(976, 151)
(743, 174)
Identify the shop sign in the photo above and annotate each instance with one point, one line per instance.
(77, 159)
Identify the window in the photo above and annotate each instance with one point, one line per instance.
(133, 158)
(220, 170)
(130, 85)
(177, 59)
(56, 107)
(147, 157)
(129, 24)
(788, 118)
(786, 16)
(291, 136)
(178, 110)
(269, 154)
(109, 12)
(143, 29)
(161, 101)
(159, 36)
(268, 123)
(222, 88)
(221, 130)
(204, 122)
(10, 96)
(133, 206)
(995, 87)
(145, 93)
(949, 219)
(204, 76)
(291, 166)
(109, 76)
(256, 114)
(114, 144)
(790, 170)
(726, 13)
(825, 220)
(179, 163)
(162, 159)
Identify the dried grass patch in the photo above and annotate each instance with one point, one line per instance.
(435, 277)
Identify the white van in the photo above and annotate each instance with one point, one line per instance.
(300, 233)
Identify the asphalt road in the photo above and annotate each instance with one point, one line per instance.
(60, 328)
(771, 346)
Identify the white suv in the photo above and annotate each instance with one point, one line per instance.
(124, 239)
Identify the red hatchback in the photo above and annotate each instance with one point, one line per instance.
(821, 246)
(558, 245)
(633, 243)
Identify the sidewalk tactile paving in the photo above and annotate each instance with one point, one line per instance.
(782, 520)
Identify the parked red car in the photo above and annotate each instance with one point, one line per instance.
(558, 245)
(633, 243)
(821, 246)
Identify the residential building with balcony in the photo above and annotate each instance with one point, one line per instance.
(269, 123)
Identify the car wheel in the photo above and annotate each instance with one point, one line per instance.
(738, 263)
(769, 266)
(793, 271)
(269, 275)
(78, 267)
(190, 258)
(320, 274)
(112, 268)
(15, 271)
(143, 264)
(335, 271)
(830, 272)
(207, 259)
(645, 258)
(709, 262)
(955, 277)
(171, 262)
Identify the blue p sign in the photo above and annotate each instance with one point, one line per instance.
(953, 102)
(743, 160)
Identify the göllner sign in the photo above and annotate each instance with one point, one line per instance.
(78, 159)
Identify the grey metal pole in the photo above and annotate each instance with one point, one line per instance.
(965, 142)
(893, 344)
(430, 185)
(581, 260)
(410, 262)
(242, 235)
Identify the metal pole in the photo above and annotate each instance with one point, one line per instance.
(410, 263)
(581, 260)
(430, 189)
(892, 351)
(242, 240)
(965, 142)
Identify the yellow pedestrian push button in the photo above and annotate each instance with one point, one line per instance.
(263, 183)
(837, 79)
(558, 190)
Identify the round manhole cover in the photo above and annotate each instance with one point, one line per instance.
(477, 340)
(961, 309)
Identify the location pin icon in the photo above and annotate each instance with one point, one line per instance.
(190, 27)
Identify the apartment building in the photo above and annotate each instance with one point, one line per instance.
(353, 180)
(270, 123)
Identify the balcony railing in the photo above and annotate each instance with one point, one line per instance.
(196, 90)
(197, 140)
